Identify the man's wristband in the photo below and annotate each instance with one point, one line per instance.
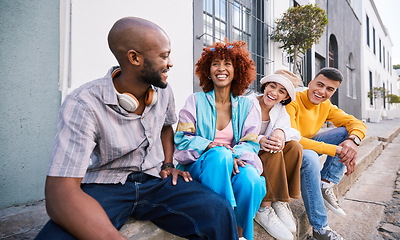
(355, 139)
(167, 165)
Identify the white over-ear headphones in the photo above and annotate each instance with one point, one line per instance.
(128, 102)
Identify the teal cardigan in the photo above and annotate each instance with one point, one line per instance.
(197, 126)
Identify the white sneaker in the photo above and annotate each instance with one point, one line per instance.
(283, 211)
(331, 201)
(272, 224)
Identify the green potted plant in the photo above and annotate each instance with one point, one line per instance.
(392, 99)
(375, 113)
(376, 93)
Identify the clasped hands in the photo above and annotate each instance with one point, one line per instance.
(236, 162)
(273, 143)
(347, 153)
(186, 175)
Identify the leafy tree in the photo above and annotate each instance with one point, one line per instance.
(377, 92)
(299, 28)
(396, 66)
(392, 98)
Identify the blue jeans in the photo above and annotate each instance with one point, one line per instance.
(188, 209)
(244, 190)
(311, 175)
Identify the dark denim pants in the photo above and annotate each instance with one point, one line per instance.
(188, 209)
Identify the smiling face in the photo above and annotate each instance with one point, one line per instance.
(321, 89)
(274, 93)
(157, 62)
(221, 73)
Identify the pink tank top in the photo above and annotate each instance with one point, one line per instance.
(225, 135)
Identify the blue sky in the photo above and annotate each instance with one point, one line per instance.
(389, 11)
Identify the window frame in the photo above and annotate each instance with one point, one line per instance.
(244, 19)
(373, 40)
(367, 26)
(351, 86)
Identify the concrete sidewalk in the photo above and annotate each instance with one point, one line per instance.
(364, 203)
(367, 199)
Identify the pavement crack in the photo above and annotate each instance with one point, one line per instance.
(366, 201)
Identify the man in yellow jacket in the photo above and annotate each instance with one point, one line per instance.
(308, 113)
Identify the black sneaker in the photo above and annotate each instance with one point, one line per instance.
(328, 235)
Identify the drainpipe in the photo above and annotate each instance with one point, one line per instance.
(327, 36)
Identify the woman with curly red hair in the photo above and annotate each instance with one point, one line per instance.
(216, 136)
(244, 69)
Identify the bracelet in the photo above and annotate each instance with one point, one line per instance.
(167, 165)
(355, 139)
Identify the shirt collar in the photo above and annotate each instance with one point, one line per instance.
(109, 95)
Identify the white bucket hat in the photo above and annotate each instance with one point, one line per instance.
(288, 79)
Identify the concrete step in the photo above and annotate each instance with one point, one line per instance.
(368, 139)
(135, 230)
(368, 152)
(389, 135)
(366, 155)
(23, 222)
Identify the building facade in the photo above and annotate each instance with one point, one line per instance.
(340, 48)
(377, 66)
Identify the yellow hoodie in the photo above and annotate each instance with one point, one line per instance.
(308, 119)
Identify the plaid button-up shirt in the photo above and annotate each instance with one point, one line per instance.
(99, 141)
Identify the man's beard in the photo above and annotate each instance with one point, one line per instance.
(150, 76)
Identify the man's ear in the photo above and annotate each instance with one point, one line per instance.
(309, 83)
(134, 57)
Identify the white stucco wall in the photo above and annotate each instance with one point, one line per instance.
(278, 8)
(370, 61)
(91, 21)
(275, 11)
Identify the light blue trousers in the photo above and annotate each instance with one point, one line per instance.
(244, 190)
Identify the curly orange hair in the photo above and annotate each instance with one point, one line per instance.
(245, 70)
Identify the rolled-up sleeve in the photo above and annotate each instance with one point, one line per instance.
(74, 142)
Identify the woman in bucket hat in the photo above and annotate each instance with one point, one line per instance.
(280, 153)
